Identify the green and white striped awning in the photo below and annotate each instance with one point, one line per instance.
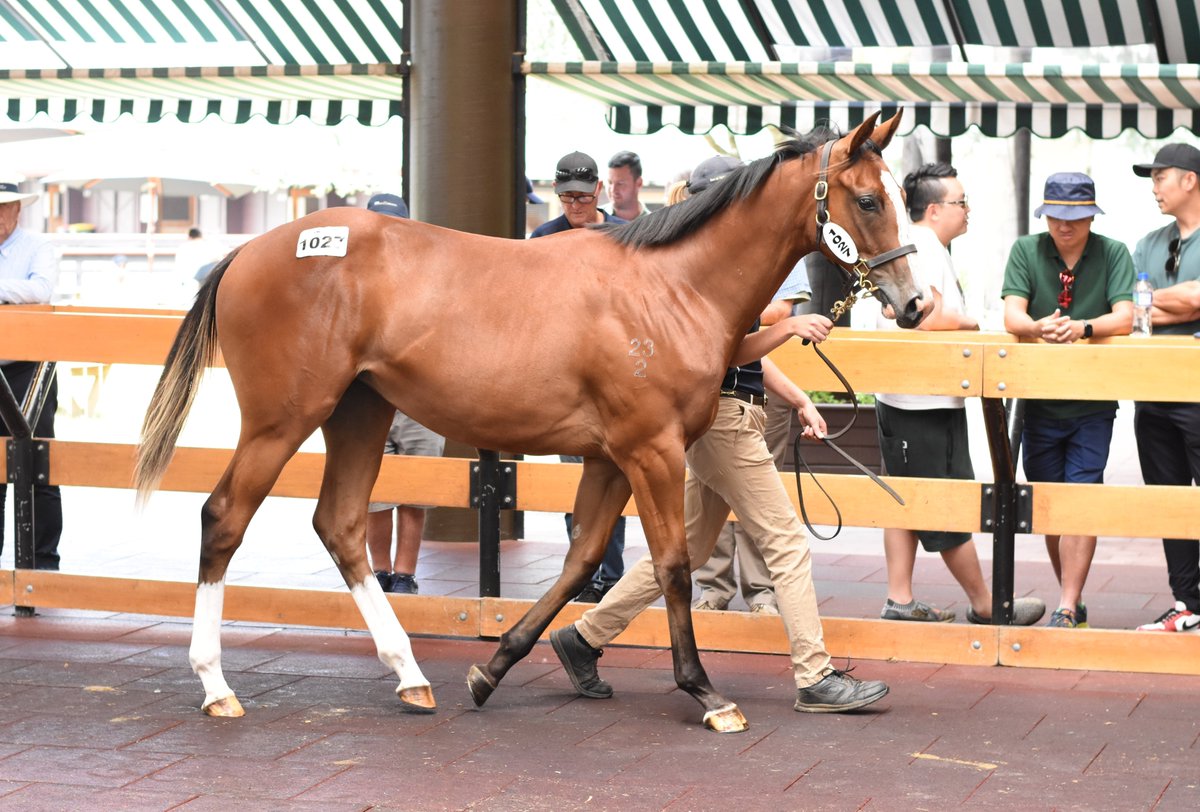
(1104, 100)
(154, 33)
(326, 94)
(770, 30)
(323, 59)
(696, 65)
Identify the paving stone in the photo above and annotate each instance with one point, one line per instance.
(76, 673)
(93, 701)
(408, 785)
(82, 766)
(263, 779)
(55, 796)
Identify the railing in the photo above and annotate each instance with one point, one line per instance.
(989, 366)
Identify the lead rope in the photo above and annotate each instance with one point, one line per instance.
(828, 440)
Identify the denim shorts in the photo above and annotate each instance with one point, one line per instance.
(1071, 450)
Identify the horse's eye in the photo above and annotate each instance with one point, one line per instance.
(867, 203)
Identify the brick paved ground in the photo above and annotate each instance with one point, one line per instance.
(101, 713)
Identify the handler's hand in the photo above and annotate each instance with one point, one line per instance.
(810, 418)
(812, 326)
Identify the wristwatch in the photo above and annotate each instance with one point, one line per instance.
(1087, 330)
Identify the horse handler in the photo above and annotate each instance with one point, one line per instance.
(731, 466)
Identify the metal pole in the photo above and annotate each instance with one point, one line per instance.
(1022, 143)
(1004, 510)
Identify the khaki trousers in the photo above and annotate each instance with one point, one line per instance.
(715, 578)
(731, 467)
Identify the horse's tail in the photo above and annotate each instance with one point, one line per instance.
(194, 348)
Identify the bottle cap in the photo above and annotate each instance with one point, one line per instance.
(1143, 275)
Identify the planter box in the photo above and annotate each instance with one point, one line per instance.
(861, 442)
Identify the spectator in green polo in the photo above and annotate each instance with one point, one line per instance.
(1062, 286)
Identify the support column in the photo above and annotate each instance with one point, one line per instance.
(465, 96)
(465, 154)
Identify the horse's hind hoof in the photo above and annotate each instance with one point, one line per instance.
(226, 707)
(726, 719)
(418, 699)
(480, 684)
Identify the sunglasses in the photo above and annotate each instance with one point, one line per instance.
(583, 173)
(576, 200)
(1172, 266)
(1068, 279)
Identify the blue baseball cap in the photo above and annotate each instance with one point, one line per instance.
(531, 195)
(389, 204)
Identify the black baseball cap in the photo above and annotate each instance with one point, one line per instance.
(1180, 156)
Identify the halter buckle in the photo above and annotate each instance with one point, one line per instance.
(821, 190)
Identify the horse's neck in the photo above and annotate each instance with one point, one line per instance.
(744, 254)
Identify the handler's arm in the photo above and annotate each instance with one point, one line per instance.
(812, 326)
(781, 386)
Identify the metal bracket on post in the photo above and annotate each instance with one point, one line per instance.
(493, 489)
(1024, 508)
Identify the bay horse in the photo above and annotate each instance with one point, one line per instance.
(610, 345)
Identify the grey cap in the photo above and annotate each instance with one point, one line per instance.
(576, 172)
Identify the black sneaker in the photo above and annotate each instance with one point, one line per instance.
(404, 584)
(579, 660)
(384, 579)
(590, 594)
(839, 692)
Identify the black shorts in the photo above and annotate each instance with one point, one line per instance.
(928, 443)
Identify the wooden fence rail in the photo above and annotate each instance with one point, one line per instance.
(953, 363)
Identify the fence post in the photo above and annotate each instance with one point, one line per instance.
(28, 461)
(1003, 510)
(493, 489)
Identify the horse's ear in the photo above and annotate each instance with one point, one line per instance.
(884, 132)
(861, 134)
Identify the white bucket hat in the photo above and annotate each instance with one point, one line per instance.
(10, 192)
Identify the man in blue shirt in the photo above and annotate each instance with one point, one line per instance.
(28, 273)
(577, 184)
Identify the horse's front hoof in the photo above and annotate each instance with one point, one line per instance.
(227, 707)
(480, 684)
(726, 719)
(418, 699)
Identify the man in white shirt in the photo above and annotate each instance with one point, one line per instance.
(28, 274)
(926, 435)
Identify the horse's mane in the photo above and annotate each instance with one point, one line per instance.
(675, 222)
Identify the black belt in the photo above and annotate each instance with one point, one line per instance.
(745, 397)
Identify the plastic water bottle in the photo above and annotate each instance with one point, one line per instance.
(1143, 296)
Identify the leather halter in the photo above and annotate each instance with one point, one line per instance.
(860, 285)
(861, 269)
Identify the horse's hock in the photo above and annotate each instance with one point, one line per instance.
(964, 364)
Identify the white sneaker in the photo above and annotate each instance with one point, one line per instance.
(1176, 619)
